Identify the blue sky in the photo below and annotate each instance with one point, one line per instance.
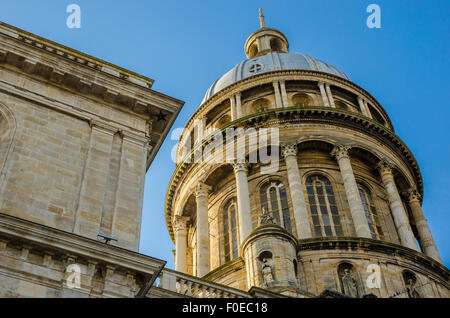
(186, 45)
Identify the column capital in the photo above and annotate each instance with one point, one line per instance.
(289, 150)
(412, 195)
(202, 189)
(385, 168)
(340, 151)
(240, 166)
(179, 223)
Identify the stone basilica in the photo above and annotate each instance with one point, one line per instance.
(340, 217)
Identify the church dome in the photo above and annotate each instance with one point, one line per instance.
(268, 63)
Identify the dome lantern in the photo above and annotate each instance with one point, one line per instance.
(265, 40)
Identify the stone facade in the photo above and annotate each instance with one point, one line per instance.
(76, 138)
(346, 192)
(77, 135)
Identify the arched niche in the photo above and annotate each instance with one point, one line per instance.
(259, 105)
(302, 99)
(219, 176)
(225, 119)
(341, 105)
(411, 283)
(348, 280)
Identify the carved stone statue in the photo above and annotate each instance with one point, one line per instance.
(349, 283)
(267, 273)
(412, 293)
(266, 218)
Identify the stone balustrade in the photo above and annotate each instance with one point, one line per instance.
(195, 287)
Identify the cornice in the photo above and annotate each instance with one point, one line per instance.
(351, 243)
(48, 238)
(74, 55)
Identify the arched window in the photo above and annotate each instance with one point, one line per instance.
(275, 44)
(322, 207)
(274, 200)
(371, 212)
(230, 231)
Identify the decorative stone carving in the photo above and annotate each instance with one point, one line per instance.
(240, 166)
(180, 223)
(412, 195)
(289, 150)
(410, 289)
(349, 284)
(202, 189)
(340, 151)
(267, 273)
(385, 167)
(266, 218)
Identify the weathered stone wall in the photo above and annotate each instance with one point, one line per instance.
(318, 270)
(68, 173)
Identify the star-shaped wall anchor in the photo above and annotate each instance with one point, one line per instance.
(161, 116)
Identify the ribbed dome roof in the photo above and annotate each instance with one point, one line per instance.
(268, 63)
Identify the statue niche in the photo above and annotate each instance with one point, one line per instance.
(266, 263)
(348, 282)
(410, 283)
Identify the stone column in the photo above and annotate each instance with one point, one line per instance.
(233, 108)
(330, 96)
(340, 152)
(201, 195)
(297, 196)
(369, 114)
(277, 94)
(180, 227)
(243, 200)
(426, 239)
(324, 94)
(362, 106)
(238, 105)
(398, 212)
(284, 93)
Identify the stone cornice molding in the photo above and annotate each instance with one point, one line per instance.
(90, 81)
(75, 246)
(73, 55)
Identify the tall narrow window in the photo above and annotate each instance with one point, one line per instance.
(371, 212)
(230, 231)
(274, 200)
(322, 207)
